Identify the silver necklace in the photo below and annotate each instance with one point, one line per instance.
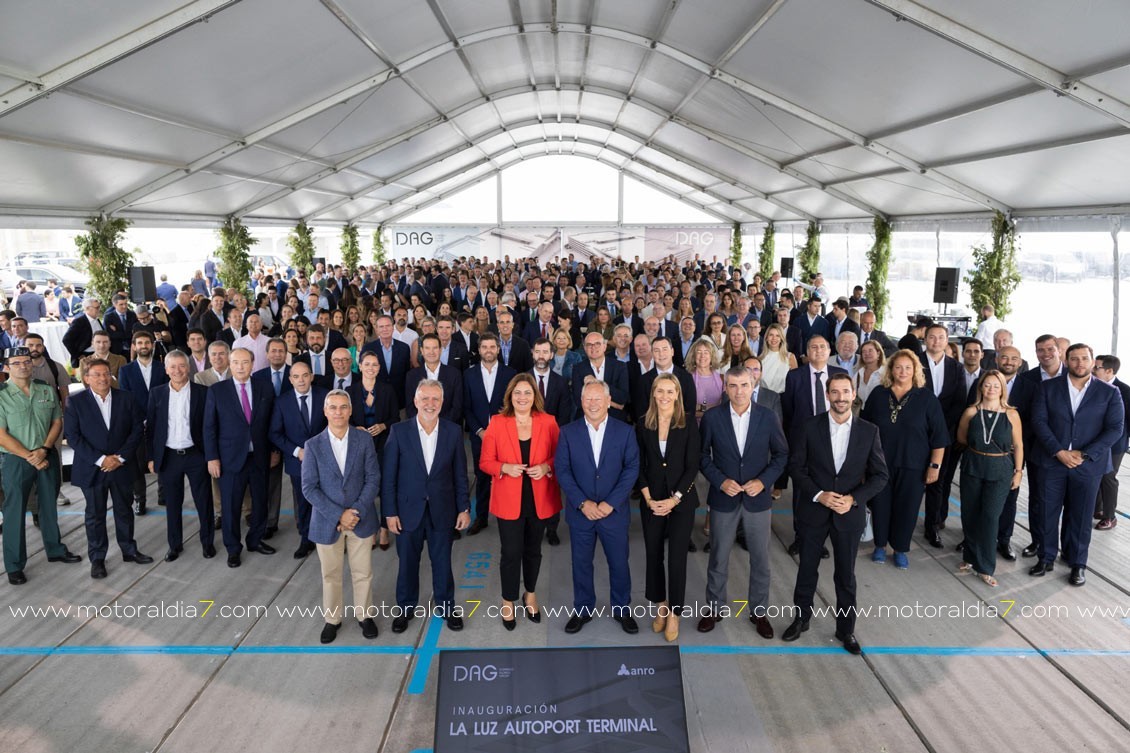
(987, 433)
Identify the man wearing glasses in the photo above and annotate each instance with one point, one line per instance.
(30, 423)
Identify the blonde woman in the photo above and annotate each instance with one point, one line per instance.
(869, 373)
(776, 360)
(737, 347)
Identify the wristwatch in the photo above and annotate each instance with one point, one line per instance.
(677, 495)
(935, 466)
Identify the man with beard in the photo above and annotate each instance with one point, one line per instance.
(316, 357)
(558, 402)
(483, 387)
(137, 378)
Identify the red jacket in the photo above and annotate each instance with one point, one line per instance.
(500, 445)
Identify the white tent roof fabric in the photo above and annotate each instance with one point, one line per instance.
(168, 111)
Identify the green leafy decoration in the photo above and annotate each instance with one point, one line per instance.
(736, 245)
(995, 275)
(350, 249)
(808, 255)
(879, 264)
(379, 245)
(301, 242)
(234, 254)
(107, 263)
(767, 258)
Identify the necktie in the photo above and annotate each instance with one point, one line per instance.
(305, 411)
(317, 364)
(246, 401)
(278, 383)
(543, 332)
(866, 336)
(821, 406)
(341, 384)
(541, 385)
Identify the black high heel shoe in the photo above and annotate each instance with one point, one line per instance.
(512, 622)
(535, 617)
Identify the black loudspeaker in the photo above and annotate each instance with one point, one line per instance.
(945, 285)
(787, 267)
(142, 284)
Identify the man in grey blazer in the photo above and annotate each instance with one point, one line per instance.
(341, 478)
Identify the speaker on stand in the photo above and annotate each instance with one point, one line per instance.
(142, 284)
(787, 267)
(945, 286)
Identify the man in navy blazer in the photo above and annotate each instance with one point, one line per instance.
(298, 415)
(396, 358)
(484, 385)
(1020, 394)
(952, 394)
(597, 463)
(606, 369)
(174, 436)
(137, 378)
(543, 326)
(1106, 369)
(341, 483)
(276, 372)
(811, 322)
(743, 453)
(237, 446)
(431, 368)
(1077, 419)
(103, 427)
(558, 403)
(423, 498)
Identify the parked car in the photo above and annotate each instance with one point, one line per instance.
(40, 274)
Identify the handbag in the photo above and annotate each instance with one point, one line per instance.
(868, 532)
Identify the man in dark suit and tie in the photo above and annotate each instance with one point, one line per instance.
(839, 322)
(137, 378)
(606, 369)
(543, 325)
(867, 332)
(119, 325)
(838, 467)
(484, 385)
(597, 462)
(276, 373)
(743, 454)
(1106, 369)
(317, 357)
(945, 378)
(174, 434)
(423, 498)
(237, 446)
(79, 336)
(811, 322)
(558, 402)
(103, 426)
(215, 318)
(297, 416)
(1077, 419)
(663, 355)
(431, 368)
(396, 358)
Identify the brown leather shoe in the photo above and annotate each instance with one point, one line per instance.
(764, 629)
(706, 624)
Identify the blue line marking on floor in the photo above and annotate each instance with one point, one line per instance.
(424, 657)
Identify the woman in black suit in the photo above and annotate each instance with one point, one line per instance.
(375, 411)
(668, 466)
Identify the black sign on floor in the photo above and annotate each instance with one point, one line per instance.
(561, 699)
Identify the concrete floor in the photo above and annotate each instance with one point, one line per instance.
(259, 680)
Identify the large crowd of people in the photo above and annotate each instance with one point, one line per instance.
(578, 388)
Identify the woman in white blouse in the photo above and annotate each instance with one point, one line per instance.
(869, 372)
(776, 360)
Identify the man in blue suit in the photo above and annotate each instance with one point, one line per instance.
(275, 376)
(423, 498)
(597, 462)
(237, 446)
(450, 377)
(484, 385)
(136, 379)
(608, 370)
(558, 401)
(1106, 369)
(945, 377)
(812, 322)
(743, 453)
(396, 358)
(174, 433)
(341, 478)
(297, 416)
(1078, 417)
(103, 426)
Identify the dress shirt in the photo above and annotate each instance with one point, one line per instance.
(341, 449)
(504, 349)
(819, 383)
(318, 363)
(200, 363)
(428, 443)
(429, 374)
(278, 380)
(840, 435)
(180, 426)
(104, 406)
(342, 382)
(490, 376)
(740, 422)
(146, 371)
(971, 379)
(937, 373)
(1076, 395)
(598, 372)
(596, 438)
(257, 346)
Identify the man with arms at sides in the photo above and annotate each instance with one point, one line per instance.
(298, 415)
(484, 385)
(423, 498)
(743, 453)
(453, 351)
(1106, 369)
(558, 403)
(136, 379)
(316, 356)
(179, 313)
(448, 376)
(867, 332)
(838, 467)
(103, 427)
(341, 477)
(119, 324)
(597, 462)
(1077, 419)
(944, 378)
(342, 362)
(275, 376)
(237, 419)
(1019, 393)
(1049, 366)
(77, 338)
(513, 350)
(256, 339)
(396, 358)
(215, 318)
(605, 369)
(663, 354)
(174, 434)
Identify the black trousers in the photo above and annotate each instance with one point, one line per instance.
(1007, 522)
(671, 532)
(140, 462)
(1035, 504)
(894, 511)
(1108, 489)
(233, 485)
(171, 477)
(302, 509)
(482, 482)
(96, 535)
(521, 554)
(938, 493)
(845, 546)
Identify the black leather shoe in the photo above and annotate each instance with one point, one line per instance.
(233, 560)
(139, 508)
(400, 624)
(98, 569)
(456, 534)
(262, 549)
(138, 557)
(691, 547)
(851, 645)
(934, 540)
(793, 631)
(707, 623)
(219, 522)
(763, 626)
(628, 623)
(706, 547)
(17, 578)
(1006, 552)
(960, 546)
(1078, 576)
(575, 623)
(67, 556)
(35, 519)
(534, 617)
(271, 531)
(172, 554)
(794, 548)
(329, 632)
(454, 623)
(1030, 551)
(477, 527)
(824, 553)
(303, 550)
(209, 551)
(369, 628)
(552, 537)
(1040, 569)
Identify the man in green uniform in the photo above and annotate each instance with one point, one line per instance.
(30, 423)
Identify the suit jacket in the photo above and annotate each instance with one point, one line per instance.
(880, 337)
(477, 408)
(812, 465)
(89, 438)
(1096, 425)
(227, 435)
(263, 376)
(848, 326)
(818, 327)
(521, 356)
(157, 420)
(178, 326)
(76, 339)
(764, 457)
(797, 399)
(664, 474)
(953, 393)
(330, 493)
(408, 490)
(457, 355)
(394, 373)
(558, 399)
(532, 332)
(211, 323)
(1124, 390)
(131, 381)
(290, 429)
(500, 445)
(636, 325)
(642, 398)
(119, 334)
(772, 401)
(472, 348)
(387, 412)
(451, 379)
(208, 377)
(69, 307)
(616, 376)
(581, 478)
(325, 381)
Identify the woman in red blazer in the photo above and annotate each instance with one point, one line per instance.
(518, 449)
